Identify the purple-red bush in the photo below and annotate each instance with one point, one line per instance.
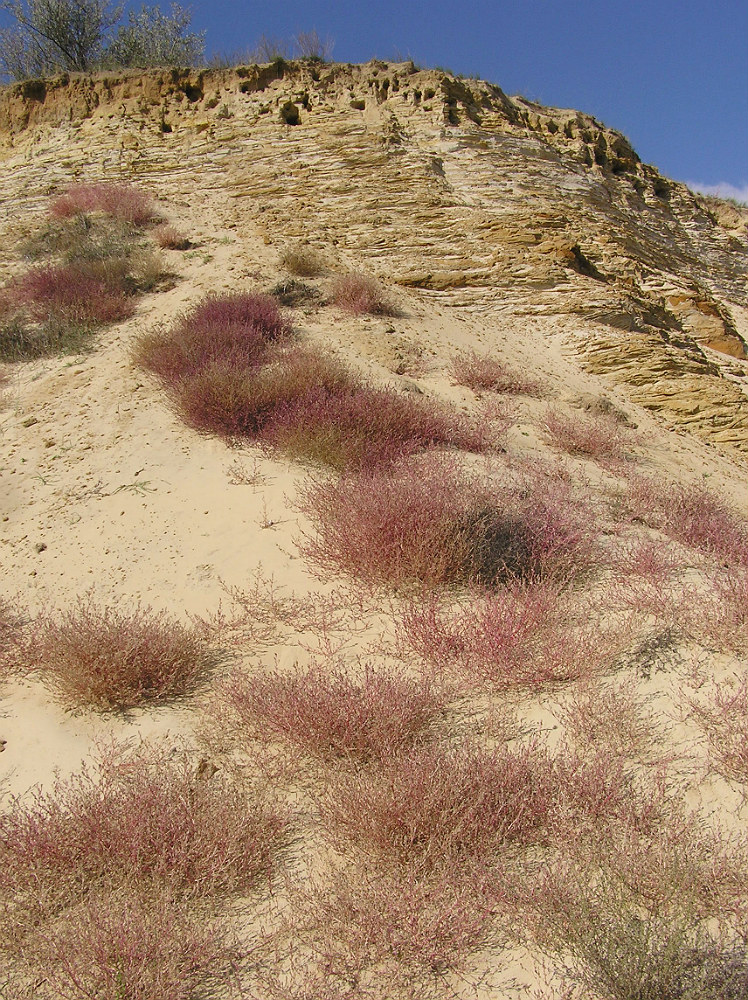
(358, 294)
(601, 437)
(229, 332)
(122, 201)
(404, 926)
(74, 294)
(134, 944)
(521, 635)
(438, 803)
(692, 515)
(364, 427)
(432, 523)
(230, 371)
(329, 714)
(722, 716)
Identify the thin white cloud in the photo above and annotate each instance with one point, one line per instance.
(723, 190)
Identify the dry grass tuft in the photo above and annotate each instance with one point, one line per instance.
(13, 637)
(608, 945)
(112, 659)
(170, 238)
(486, 374)
(303, 261)
(358, 294)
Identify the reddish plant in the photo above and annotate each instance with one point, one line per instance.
(432, 523)
(611, 718)
(229, 332)
(229, 372)
(402, 926)
(358, 293)
(122, 201)
(139, 818)
(692, 515)
(329, 714)
(113, 659)
(143, 946)
(521, 635)
(601, 437)
(486, 374)
(75, 294)
(440, 802)
(365, 427)
(235, 401)
(722, 715)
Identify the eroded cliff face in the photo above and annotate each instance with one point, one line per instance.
(444, 186)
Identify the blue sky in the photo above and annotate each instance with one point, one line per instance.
(672, 75)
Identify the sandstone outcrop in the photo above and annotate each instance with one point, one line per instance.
(447, 186)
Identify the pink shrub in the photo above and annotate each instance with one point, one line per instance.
(121, 201)
(692, 515)
(402, 926)
(432, 523)
(439, 802)
(358, 293)
(601, 437)
(144, 818)
(73, 294)
(143, 946)
(229, 332)
(722, 716)
(365, 427)
(329, 714)
(521, 635)
(238, 401)
(114, 659)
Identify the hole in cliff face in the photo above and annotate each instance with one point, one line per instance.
(289, 113)
(34, 90)
(583, 265)
(193, 93)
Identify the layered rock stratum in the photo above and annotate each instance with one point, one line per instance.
(482, 203)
